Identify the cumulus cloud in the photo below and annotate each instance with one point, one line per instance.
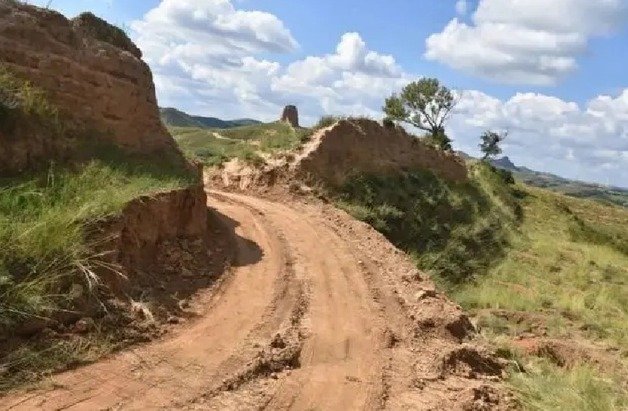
(461, 7)
(209, 58)
(350, 81)
(525, 41)
(552, 134)
(211, 49)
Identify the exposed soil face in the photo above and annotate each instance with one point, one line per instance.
(337, 153)
(319, 312)
(91, 72)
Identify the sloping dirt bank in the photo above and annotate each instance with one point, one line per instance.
(337, 153)
(320, 312)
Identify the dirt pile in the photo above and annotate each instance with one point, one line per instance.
(90, 71)
(364, 146)
(339, 152)
(136, 237)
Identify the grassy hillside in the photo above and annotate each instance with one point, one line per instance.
(215, 146)
(580, 189)
(172, 117)
(45, 252)
(544, 276)
(608, 195)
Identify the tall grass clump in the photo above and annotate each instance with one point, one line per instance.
(545, 387)
(43, 243)
(326, 121)
(20, 100)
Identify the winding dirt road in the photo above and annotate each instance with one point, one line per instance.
(319, 313)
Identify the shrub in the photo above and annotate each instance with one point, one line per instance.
(326, 121)
(20, 100)
(456, 230)
(388, 122)
(103, 31)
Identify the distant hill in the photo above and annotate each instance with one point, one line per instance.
(615, 195)
(172, 117)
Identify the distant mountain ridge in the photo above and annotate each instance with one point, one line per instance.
(173, 117)
(574, 188)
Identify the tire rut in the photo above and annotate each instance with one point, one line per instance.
(319, 312)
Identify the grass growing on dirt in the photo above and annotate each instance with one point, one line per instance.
(546, 387)
(42, 238)
(20, 100)
(568, 262)
(456, 231)
(45, 217)
(29, 362)
(556, 266)
(216, 146)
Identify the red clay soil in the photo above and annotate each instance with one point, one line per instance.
(319, 312)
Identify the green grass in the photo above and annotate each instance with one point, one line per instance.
(546, 387)
(43, 246)
(43, 214)
(215, 146)
(46, 246)
(456, 231)
(203, 145)
(566, 264)
(558, 264)
(21, 101)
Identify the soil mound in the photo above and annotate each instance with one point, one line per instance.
(336, 153)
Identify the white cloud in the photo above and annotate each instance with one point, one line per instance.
(461, 7)
(205, 54)
(207, 59)
(525, 41)
(551, 134)
(353, 80)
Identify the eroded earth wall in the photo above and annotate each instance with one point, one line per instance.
(365, 146)
(89, 70)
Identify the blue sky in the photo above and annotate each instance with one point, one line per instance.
(553, 73)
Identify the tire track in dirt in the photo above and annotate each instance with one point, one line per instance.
(320, 312)
(341, 361)
(166, 373)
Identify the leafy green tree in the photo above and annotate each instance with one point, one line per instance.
(425, 104)
(490, 143)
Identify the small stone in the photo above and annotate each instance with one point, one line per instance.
(424, 294)
(84, 325)
(274, 376)
(173, 320)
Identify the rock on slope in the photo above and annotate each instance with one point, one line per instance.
(90, 71)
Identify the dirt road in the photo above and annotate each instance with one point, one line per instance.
(319, 313)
